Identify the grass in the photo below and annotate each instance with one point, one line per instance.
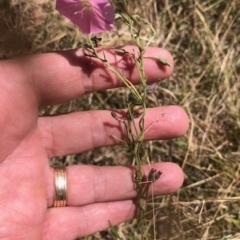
(203, 37)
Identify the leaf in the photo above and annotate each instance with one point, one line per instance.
(163, 61)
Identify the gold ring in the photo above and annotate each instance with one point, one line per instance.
(60, 198)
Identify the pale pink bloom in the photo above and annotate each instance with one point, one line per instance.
(91, 16)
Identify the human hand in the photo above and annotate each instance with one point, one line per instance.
(95, 195)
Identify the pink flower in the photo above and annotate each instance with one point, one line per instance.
(91, 16)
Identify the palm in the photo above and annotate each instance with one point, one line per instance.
(27, 141)
(24, 165)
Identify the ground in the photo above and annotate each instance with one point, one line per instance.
(203, 37)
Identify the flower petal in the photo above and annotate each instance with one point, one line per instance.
(91, 16)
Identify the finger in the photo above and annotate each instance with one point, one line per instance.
(76, 222)
(82, 131)
(89, 184)
(60, 77)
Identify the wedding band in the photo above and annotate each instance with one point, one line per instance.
(60, 198)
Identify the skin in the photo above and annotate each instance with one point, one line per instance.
(28, 141)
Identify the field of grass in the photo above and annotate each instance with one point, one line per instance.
(203, 36)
